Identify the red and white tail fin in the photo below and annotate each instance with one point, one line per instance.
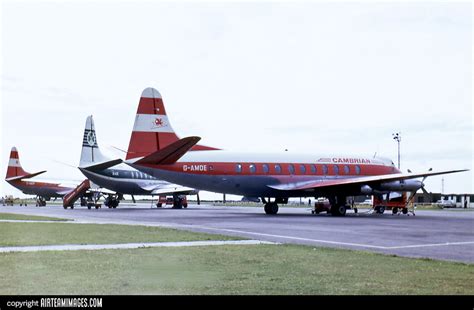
(14, 170)
(152, 130)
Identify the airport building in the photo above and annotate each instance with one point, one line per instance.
(460, 200)
(447, 200)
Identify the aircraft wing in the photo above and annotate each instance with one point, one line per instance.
(321, 183)
(64, 192)
(174, 190)
(25, 176)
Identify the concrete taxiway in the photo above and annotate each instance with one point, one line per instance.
(443, 234)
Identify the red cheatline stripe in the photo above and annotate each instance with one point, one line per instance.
(219, 168)
(14, 154)
(151, 106)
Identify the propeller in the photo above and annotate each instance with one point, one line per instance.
(422, 185)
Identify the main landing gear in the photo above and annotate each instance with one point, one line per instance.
(338, 205)
(271, 208)
(112, 201)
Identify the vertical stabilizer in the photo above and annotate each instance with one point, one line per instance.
(14, 167)
(90, 153)
(152, 130)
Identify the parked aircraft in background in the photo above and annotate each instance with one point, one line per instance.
(151, 132)
(43, 191)
(278, 176)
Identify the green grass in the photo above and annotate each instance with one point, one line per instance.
(253, 269)
(11, 216)
(23, 234)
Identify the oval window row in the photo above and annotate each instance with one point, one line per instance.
(277, 169)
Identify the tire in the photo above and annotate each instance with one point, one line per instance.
(338, 210)
(159, 205)
(394, 210)
(271, 208)
(404, 210)
(382, 209)
(356, 210)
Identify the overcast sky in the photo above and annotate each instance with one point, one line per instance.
(256, 76)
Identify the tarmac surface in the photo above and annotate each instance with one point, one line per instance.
(438, 234)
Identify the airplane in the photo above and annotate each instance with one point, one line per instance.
(43, 191)
(279, 176)
(151, 131)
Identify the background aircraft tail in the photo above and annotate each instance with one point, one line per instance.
(14, 166)
(90, 153)
(152, 130)
(15, 171)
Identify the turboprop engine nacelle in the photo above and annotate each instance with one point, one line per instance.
(394, 186)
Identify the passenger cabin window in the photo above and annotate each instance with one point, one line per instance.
(346, 169)
(265, 168)
(325, 169)
(252, 168)
(291, 169)
(302, 169)
(238, 168)
(313, 169)
(336, 169)
(357, 169)
(277, 168)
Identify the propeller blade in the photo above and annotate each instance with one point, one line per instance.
(424, 191)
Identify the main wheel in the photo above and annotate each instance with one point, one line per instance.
(178, 204)
(338, 210)
(271, 208)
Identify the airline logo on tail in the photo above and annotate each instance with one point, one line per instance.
(89, 138)
(152, 123)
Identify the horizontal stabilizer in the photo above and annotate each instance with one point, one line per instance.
(25, 176)
(171, 153)
(103, 165)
